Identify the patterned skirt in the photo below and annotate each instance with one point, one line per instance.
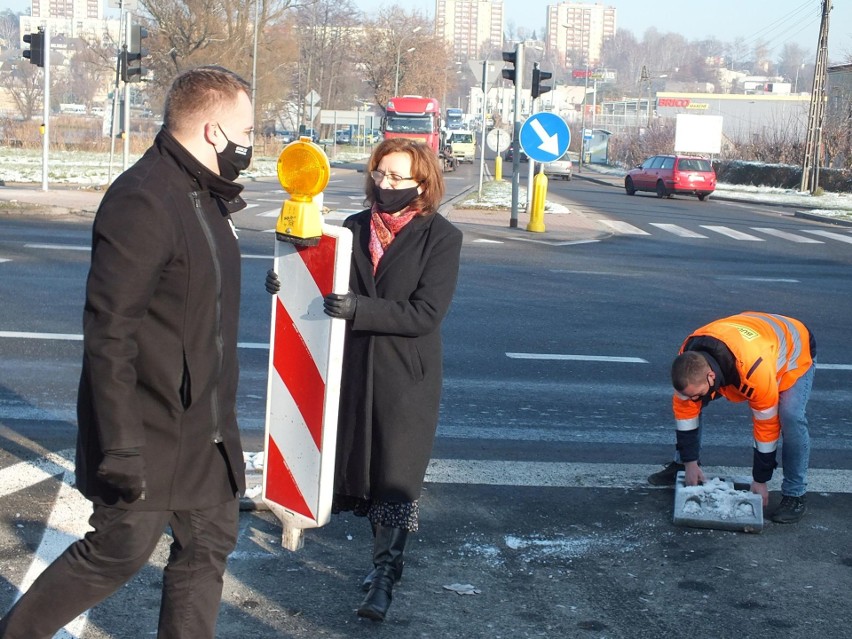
(404, 515)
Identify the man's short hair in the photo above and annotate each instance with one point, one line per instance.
(688, 368)
(199, 93)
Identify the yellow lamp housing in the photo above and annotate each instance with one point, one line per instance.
(303, 171)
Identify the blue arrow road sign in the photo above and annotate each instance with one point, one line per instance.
(545, 137)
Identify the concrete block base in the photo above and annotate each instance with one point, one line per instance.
(722, 503)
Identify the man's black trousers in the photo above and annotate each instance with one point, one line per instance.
(121, 543)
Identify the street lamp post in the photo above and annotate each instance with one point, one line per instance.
(399, 55)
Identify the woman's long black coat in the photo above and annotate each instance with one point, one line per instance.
(392, 367)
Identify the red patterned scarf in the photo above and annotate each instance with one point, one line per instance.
(384, 227)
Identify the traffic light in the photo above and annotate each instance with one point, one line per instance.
(132, 54)
(36, 52)
(516, 59)
(537, 76)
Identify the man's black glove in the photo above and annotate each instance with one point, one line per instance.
(273, 284)
(340, 306)
(124, 470)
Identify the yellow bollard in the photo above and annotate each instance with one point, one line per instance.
(536, 224)
(498, 168)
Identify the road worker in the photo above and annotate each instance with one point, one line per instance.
(766, 360)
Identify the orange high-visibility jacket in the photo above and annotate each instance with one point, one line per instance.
(771, 353)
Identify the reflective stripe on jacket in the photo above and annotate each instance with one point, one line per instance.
(771, 353)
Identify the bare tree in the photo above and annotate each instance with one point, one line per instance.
(327, 43)
(9, 32)
(189, 33)
(25, 84)
(424, 71)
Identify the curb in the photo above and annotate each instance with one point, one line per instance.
(822, 218)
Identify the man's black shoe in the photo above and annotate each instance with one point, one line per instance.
(667, 476)
(790, 510)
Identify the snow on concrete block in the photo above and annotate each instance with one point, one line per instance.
(722, 503)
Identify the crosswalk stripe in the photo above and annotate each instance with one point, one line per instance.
(623, 227)
(834, 236)
(679, 230)
(784, 235)
(732, 233)
(270, 213)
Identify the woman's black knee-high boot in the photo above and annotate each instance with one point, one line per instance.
(388, 549)
(368, 580)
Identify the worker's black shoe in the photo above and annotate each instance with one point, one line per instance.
(790, 510)
(667, 476)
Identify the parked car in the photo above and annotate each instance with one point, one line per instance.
(313, 134)
(342, 137)
(667, 175)
(559, 168)
(285, 136)
(508, 156)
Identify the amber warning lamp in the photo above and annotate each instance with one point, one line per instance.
(303, 171)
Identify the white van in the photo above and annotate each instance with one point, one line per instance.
(464, 145)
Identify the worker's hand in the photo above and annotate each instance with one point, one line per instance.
(759, 488)
(124, 470)
(273, 284)
(693, 475)
(340, 306)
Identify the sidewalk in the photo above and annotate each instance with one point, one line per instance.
(59, 200)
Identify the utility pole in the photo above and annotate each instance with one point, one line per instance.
(45, 142)
(816, 111)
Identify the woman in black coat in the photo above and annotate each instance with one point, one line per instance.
(405, 263)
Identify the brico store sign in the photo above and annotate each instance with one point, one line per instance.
(682, 103)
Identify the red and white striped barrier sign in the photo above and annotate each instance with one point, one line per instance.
(303, 392)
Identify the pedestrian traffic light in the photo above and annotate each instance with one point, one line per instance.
(35, 54)
(537, 76)
(132, 54)
(516, 59)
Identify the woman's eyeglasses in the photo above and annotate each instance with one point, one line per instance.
(392, 178)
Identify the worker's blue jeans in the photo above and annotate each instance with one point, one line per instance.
(795, 440)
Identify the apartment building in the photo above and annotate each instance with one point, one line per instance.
(68, 9)
(576, 31)
(471, 27)
(71, 19)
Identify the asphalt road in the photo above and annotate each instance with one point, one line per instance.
(555, 409)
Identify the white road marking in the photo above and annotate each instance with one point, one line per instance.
(737, 235)
(59, 247)
(596, 475)
(679, 230)
(784, 235)
(4, 259)
(577, 358)
(26, 335)
(66, 524)
(744, 278)
(270, 213)
(834, 236)
(623, 227)
(538, 356)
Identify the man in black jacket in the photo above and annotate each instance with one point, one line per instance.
(158, 444)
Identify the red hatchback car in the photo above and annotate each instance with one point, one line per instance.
(667, 175)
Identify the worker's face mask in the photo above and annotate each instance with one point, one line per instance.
(232, 159)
